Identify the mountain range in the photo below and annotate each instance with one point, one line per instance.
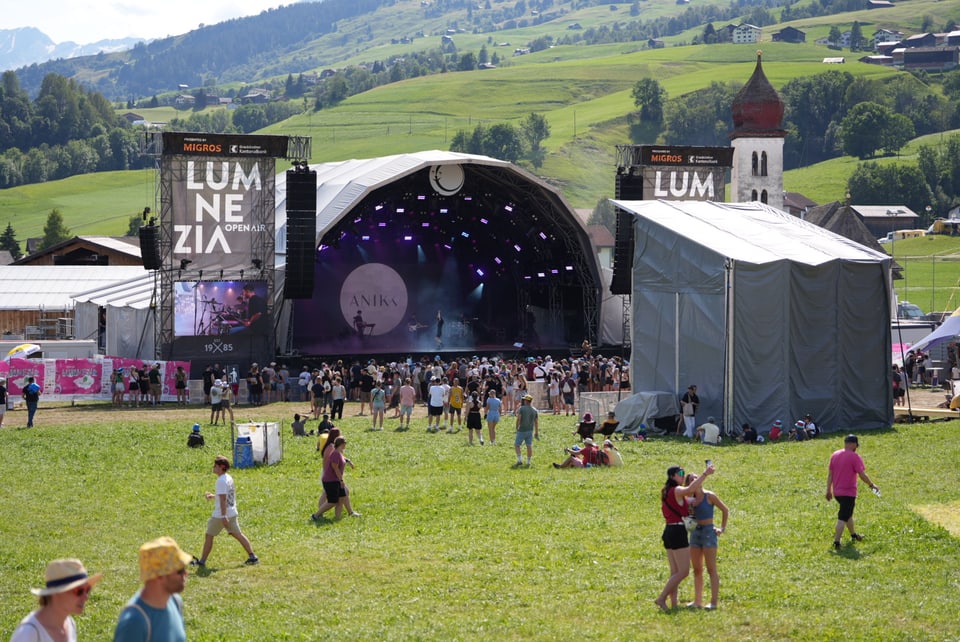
(25, 46)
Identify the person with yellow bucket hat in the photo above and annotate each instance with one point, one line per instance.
(155, 612)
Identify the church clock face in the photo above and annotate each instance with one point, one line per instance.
(446, 180)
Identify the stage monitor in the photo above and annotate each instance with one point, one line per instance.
(220, 308)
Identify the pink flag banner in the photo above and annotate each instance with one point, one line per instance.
(78, 377)
(20, 369)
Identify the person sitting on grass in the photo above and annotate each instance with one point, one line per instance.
(298, 426)
(195, 440)
(588, 455)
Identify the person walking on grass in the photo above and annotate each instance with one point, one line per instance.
(334, 486)
(31, 395)
(674, 506)
(224, 514)
(528, 428)
(155, 612)
(845, 466)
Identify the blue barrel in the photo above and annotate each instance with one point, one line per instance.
(243, 453)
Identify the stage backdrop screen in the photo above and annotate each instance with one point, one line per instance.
(220, 308)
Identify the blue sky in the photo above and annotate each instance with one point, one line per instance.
(86, 21)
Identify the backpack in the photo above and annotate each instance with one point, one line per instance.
(567, 388)
(31, 395)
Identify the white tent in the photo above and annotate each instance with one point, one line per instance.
(129, 315)
(771, 317)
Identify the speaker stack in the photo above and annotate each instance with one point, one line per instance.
(629, 188)
(301, 233)
(150, 246)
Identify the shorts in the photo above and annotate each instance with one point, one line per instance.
(568, 398)
(473, 421)
(674, 537)
(118, 387)
(454, 411)
(215, 525)
(704, 536)
(334, 490)
(180, 385)
(224, 404)
(216, 407)
(406, 410)
(378, 407)
(364, 396)
(847, 504)
(493, 416)
(134, 386)
(525, 437)
(435, 411)
(318, 402)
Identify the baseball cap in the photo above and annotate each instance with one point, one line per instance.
(851, 439)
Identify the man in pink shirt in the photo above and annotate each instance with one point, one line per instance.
(845, 466)
(408, 397)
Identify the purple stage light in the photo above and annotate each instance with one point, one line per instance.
(468, 198)
(421, 197)
(554, 271)
(443, 210)
(541, 274)
(516, 247)
(425, 225)
(465, 235)
(447, 246)
(400, 210)
(378, 208)
(407, 238)
(568, 268)
(382, 224)
(497, 260)
(527, 277)
(543, 236)
(509, 208)
(484, 221)
(358, 219)
(479, 272)
(365, 237)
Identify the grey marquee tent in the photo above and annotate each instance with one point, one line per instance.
(770, 316)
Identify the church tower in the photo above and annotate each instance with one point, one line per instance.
(757, 142)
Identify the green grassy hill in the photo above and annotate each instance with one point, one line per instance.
(583, 91)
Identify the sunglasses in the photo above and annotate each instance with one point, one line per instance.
(681, 473)
(80, 591)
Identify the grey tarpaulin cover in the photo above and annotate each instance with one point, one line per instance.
(770, 316)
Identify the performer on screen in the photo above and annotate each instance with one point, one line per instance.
(414, 327)
(439, 329)
(358, 323)
(255, 319)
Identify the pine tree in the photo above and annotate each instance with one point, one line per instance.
(54, 231)
(8, 242)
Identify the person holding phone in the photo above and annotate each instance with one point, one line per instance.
(675, 499)
(703, 541)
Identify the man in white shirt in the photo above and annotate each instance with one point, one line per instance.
(224, 514)
(434, 405)
(709, 433)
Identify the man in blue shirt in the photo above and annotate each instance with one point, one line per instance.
(155, 612)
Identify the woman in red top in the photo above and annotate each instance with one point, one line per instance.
(673, 506)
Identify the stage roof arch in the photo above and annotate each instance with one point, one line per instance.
(434, 215)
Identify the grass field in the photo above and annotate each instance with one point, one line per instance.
(454, 544)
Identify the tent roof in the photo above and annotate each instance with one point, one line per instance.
(31, 287)
(843, 220)
(751, 232)
(341, 185)
(133, 293)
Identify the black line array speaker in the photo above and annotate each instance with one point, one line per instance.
(150, 247)
(629, 188)
(301, 234)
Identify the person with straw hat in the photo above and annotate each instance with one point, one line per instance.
(155, 612)
(64, 595)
